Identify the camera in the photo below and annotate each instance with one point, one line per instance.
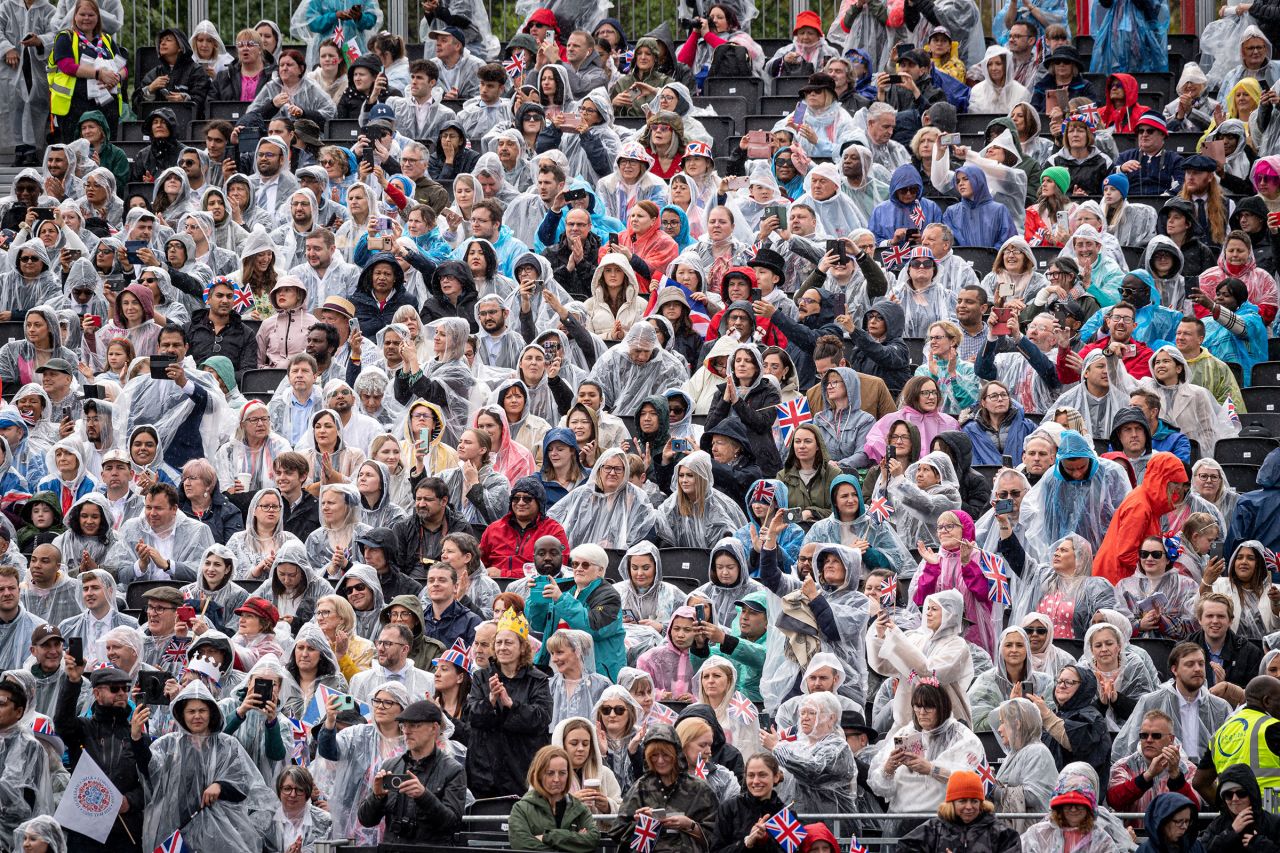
(690, 24)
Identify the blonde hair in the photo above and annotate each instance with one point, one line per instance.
(947, 811)
(342, 608)
(690, 729)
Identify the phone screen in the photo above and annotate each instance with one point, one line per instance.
(802, 110)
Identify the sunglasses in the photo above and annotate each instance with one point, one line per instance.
(1150, 555)
(1037, 632)
(1234, 794)
(1150, 735)
(618, 710)
(357, 587)
(115, 688)
(522, 499)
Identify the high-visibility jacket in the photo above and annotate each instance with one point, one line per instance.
(1242, 740)
(63, 86)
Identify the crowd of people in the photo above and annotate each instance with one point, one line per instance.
(533, 447)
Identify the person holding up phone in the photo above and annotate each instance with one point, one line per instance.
(1012, 677)
(255, 720)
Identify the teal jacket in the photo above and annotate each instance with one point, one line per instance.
(596, 610)
(747, 657)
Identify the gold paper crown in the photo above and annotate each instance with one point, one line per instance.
(512, 621)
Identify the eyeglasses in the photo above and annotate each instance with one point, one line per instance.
(1181, 823)
(1036, 632)
(921, 263)
(1150, 555)
(382, 644)
(1009, 493)
(29, 259)
(160, 608)
(248, 44)
(185, 163)
(929, 392)
(612, 469)
(998, 395)
(294, 791)
(1150, 735)
(581, 564)
(523, 499)
(151, 280)
(1062, 682)
(618, 710)
(382, 703)
(257, 419)
(1146, 131)
(947, 526)
(269, 507)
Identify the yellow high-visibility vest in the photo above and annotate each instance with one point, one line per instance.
(63, 86)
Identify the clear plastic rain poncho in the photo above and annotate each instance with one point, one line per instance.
(183, 765)
(361, 751)
(590, 684)
(1063, 506)
(248, 548)
(1127, 39)
(311, 588)
(616, 519)
(252, 731)
(385, 511)
(294, 699)
(25, 783)
(227, 680)
(453, 375)
(992, 687)
(742, 734)
(44, 828)
(922, 306)
(818, 768)
(228, 596)
(163, 405)
(1068, 600)
(368, 622)
(944, 653)
(321, 542)
(1136, 676)
(1027, 773)
(615, 750)
(724, 598)
(949, 746)
(626, 382)
(685, 522)
(883, 536)
(918, 509)
(73, 543)
(1109, 834)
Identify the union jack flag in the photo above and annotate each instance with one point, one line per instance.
(742, 708)
(755, 248)
(700, 769)
(1230, 408)
(300, 752)
(880, 510)
(987, 775)
(763, 492)
(42, 725)
(627, 59)
(1172, 544)
(645, 833)
(895, 256)
(917, 215)
(175, 651)
(1273, 563)
(660, 713)
(173, 844)
(787, 735)
(1091, 114)
(997, 575)
(699, 319)
(515, 67)
(855, 847)
(791, 414)
(786, 829)
(888, 592)
(1041, 237)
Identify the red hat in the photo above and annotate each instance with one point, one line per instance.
(261, 608)
(808, 18)
(1155, 120)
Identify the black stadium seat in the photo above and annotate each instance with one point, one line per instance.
(12, 330)
(970, 123)
(133, 598)
(734, 106)
(751, 88)
(1243, 478)
(789, 86)
(1246, 451)
(689, 562)
(1269, 421)
(232, 111)
(614, 571)
(266, 379)
(1267, 373)
(980, 258)
(1264, 398)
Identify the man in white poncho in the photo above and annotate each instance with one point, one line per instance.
(637, 368)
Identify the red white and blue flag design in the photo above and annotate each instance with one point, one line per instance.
(786, 829)
(742, 708)
(645, 834)
(699, 319)
(173, 844)
(791, 414)
(997, 575)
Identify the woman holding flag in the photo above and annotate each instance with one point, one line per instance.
(820, 770)
(961, 565)
(685, 805)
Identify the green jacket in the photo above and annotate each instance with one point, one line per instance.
(815, 495)
(110, 157)
(531, 817)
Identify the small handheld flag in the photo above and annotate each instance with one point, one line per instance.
(787, 735)
(792, 414)
(300, 753)
(855, 847)
(660, 713)
(699, 319)
(700, 769)
(888, 592)
(987, 775)
(880, 510)
(646, 833)
(997, 575)
(895, 256)
(917, 215)
(742, 708)
(173, 844)
(786, 829)
(515, 67)
(1229, 406)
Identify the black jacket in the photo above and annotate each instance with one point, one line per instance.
(578, 280)
(1240, 658)
(237, 341)
(222, 519)
(756, 414)
(438, 306)
(1219, 837)
(1266, 243)
(303, 519)
(352, 102)
(738, 817)
(226, 83)
(891, 360)
(1198, 254)
(432, 818)
(504, 740)
(416, 548)
(104, 735)
(984, 835)
(733, 479)
(161, 154)
(185, 77)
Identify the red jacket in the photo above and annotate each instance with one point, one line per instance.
(1138, 364)
(507, 547)
(1125, 119)
(1138, 517)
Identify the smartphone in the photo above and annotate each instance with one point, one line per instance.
(658, 814)
(756, 294)
(131, 248)
(895, 79)
(793, 515)
(899, 741)
(159, 366)
(538, 286)
(1131, 350)
(1028, 688)
(1060, 314)
(92, 392)
(345, 701)
(353, 325)
(186, 614)
(700, 612)
(758, 144)
(1193, 281)
(1215, 550)
(382, 223)
(1004, 506)
(1063, 99)
(778, 210)
(613, 238)
(368, 155)
(629, 616)
(891, 453)
(75, 645)
(1001, 325)
(1217, 149)
(152, 686)
(949, 139)
(1006, 460)
(802, 110)
(837, 247)
(681, 445)
(262, 690)
(575, 195)
(45, 214)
